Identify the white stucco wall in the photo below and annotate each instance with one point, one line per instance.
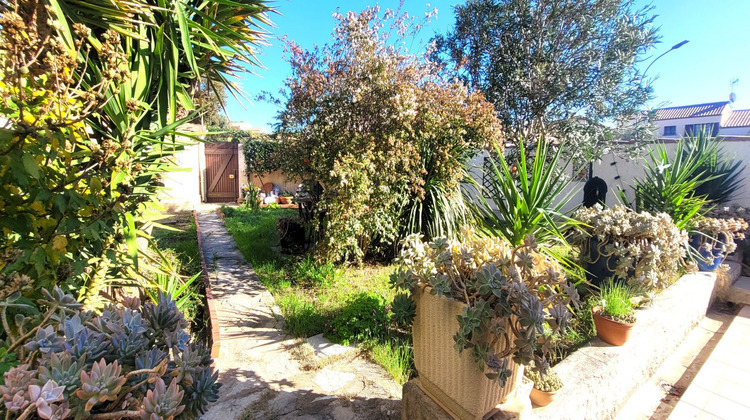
(735, 131)
(681, 122)
(629, 170)
(183, 187)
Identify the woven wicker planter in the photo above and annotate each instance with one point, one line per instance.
(455, 382)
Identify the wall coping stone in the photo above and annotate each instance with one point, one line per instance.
(599, 378)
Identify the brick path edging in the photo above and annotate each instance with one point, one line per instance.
(213, 319)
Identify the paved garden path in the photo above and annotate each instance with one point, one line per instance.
(267, 375)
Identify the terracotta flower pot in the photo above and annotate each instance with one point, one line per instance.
(453, 381)
(613, 332)
(542, 398)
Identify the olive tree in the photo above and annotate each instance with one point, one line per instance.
(563, 69)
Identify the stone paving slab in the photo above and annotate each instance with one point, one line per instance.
(261, 378)
(721, 389)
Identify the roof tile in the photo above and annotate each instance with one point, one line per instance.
(738, 118)
(691, 111)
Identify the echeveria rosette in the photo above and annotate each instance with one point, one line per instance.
(162, 402)
(103, 383)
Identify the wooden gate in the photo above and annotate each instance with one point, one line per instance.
(222, 175)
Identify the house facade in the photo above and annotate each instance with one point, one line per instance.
(715, 118)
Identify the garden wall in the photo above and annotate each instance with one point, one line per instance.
(629, 169)
(599, 378)
(276, 177)
(183, 187)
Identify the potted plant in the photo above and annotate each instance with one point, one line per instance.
(286, 198)
(714, 239)
(546, 386)
(614, 318)
(640, 246)
(485, 296)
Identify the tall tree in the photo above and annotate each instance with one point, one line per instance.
(564, 69)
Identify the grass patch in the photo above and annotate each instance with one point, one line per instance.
(347, 304)
(182, 246)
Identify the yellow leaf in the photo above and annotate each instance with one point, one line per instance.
(37, 206)
(59, 243)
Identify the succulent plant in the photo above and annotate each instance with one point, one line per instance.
(547, 382)
(102, 384)
(63, 369)
(646, 248)
(89, 344)
(163, 318)
(46, 341)
(15, 390)
(510, 294)
(111, 362)
(45, 396)
(203, 391)
(720, 232)
(59, 299)
(151, 359)
(189, 362)
(162, 402)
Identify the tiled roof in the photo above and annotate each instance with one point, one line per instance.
(691, 111)
(739, 118)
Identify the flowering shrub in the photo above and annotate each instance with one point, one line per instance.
(511, 295)
(643, 247)
(383, 131)
(129, 361)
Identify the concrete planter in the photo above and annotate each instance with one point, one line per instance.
(596, 368)
(453, 381)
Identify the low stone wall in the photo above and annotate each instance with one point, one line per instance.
(599, 378)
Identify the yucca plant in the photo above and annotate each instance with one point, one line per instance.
(720, 175)
(521, 200)
(670, 185)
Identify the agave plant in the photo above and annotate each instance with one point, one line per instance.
(720, 174)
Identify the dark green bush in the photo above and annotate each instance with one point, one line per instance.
(363, 318)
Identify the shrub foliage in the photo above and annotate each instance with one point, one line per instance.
(381, 129)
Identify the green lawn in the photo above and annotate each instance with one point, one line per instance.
(347, 304)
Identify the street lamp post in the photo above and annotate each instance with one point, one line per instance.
(674, 47)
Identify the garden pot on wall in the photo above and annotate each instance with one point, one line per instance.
(542, 398)
(712, 258)
(453, 381)
(600, 267)
(612, 332)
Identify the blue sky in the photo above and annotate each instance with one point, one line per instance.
(700, 71)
